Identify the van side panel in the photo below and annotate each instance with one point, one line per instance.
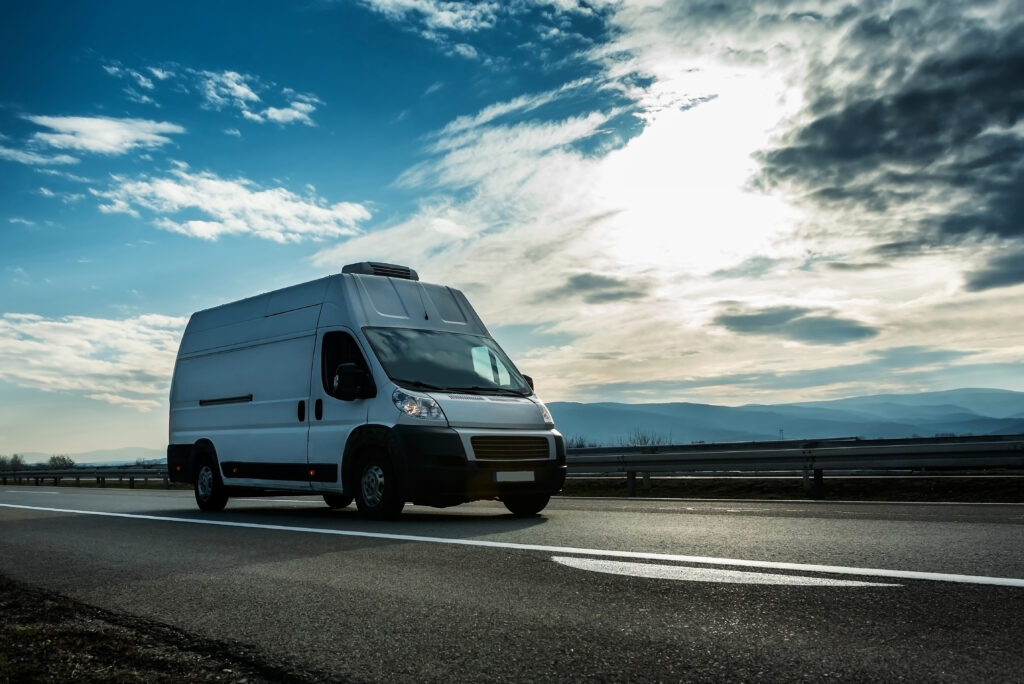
(246, 402)
(242, 370)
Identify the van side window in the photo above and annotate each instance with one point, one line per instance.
(338, 348)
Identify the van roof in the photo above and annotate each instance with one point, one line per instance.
(353, 299)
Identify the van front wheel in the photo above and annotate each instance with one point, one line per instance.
(210, 493)
(379, 494)
(525, 505)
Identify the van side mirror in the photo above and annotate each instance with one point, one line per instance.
(352, 382)
(529, 380)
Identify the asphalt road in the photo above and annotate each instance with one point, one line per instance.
(598, 590)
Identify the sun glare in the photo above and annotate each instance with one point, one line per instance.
(683, 184)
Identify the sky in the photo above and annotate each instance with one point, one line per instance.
(730, 203)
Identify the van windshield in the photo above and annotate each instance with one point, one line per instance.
(429, 359)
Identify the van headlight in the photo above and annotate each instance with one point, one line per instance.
(546, 415)
(417, 405)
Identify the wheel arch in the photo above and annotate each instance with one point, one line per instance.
(370, 436)
(203, 449)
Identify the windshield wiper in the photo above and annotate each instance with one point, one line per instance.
(417, 384)
(495, 390)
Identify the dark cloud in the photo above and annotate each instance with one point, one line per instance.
(598, 289)
(751, 268)
(795, 323)
(913, 123)
(853, 266)
(1002, 271)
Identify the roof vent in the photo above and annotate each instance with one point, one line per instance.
(378, 269)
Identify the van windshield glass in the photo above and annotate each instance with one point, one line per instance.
(428, 359)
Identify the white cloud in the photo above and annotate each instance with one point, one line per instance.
(65, 175)
(103, 135)
(20, 220)
(549, 202)
(296, 111)
(34, 158)
(142, 80)
(221, 89)
(160, 74)
(232, 207)
(440, 14)
(239, 91)
(465, 50)
(518, 105)
(119, 361)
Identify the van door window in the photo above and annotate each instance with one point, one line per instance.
(338, 348)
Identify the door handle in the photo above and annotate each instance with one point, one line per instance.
(302, 411)
(318, 409)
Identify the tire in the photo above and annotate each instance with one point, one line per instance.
(337, 500)
(211, 496)
(378, 487)
(525, 505)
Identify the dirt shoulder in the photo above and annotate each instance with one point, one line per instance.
(45, 637)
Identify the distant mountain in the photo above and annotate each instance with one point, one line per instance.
(958, 412)
(122, 456)
(991, 403)
(961, 412)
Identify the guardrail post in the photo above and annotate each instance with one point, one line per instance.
(647, 482)
(631, 483)
(167, 483)
(78, 480)
(819, 483)
(131, 483)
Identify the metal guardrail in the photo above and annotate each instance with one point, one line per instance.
(809, 457)
(100, 473)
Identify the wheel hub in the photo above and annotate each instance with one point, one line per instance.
(373, 485)
(204, 483)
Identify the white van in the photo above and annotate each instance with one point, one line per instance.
(365, 385)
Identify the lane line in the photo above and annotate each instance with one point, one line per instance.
(602, 553)
(687, 573)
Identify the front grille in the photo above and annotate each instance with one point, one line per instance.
(510, 448)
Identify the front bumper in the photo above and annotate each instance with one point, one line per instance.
(438, 471)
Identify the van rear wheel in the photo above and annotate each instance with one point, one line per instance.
(337, 500)
(525, 505)
(379, 492)
(211, 495)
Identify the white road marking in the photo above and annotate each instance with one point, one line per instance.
(602, 553)
(691, 574)
(18, 491)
